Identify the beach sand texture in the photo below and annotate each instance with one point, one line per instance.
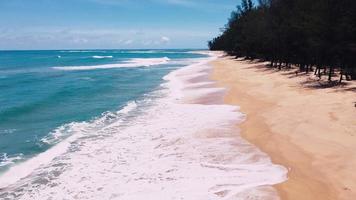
(311, 131)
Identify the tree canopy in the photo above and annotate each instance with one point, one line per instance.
(313, 35)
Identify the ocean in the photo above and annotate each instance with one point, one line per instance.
(115, 124)
(43, 92)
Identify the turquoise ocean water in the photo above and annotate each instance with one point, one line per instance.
(116, 124)
(42, 92)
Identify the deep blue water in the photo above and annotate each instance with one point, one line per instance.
(39, 91)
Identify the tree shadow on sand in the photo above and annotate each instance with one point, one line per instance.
(311, 81)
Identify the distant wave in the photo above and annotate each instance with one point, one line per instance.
(204, 52)
(136, 62)
(100, 57)
(154, 51)
(143, 51)
(82, 51)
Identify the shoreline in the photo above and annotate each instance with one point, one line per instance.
(309, 131)
(182, 134)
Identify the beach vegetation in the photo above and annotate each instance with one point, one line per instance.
(316, 36)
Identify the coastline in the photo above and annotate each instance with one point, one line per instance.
(180, 134)
(309, 131)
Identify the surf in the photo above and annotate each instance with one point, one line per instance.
(136, 62)
(154, 148)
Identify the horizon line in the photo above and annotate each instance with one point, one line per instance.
(104, 49)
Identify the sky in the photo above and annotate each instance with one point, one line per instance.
(111, 24)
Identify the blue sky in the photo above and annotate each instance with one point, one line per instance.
(73, 24)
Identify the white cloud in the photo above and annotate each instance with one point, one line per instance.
(66, 37)
(165, 39)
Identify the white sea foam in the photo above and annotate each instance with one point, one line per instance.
(70, 132)
(136, 62)
(167, 149)
(179, 81)
(155, 51)
(6, 160)
(101, 57)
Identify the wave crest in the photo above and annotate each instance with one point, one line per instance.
(101, 57)
(136, 62)
(61, 138)
(6, 160)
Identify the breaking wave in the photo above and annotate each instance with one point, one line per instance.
(136, 62)
(101, 57)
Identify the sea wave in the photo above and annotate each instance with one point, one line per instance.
(66, 130)
(101, 57)
(142, 51)
(61, 139)
(82, 51)
(6, 160)
(136, 62)
(154, 52)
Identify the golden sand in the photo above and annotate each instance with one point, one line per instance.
(311, 131)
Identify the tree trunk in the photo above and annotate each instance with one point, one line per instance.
(330, 72)
(301, 67)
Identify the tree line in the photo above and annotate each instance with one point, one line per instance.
(314, 35)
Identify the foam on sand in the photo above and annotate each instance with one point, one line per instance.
(165, 149)
(192, 82)
(136, 62)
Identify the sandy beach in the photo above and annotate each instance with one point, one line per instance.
(309, 130)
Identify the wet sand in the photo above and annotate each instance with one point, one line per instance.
(309, 130)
